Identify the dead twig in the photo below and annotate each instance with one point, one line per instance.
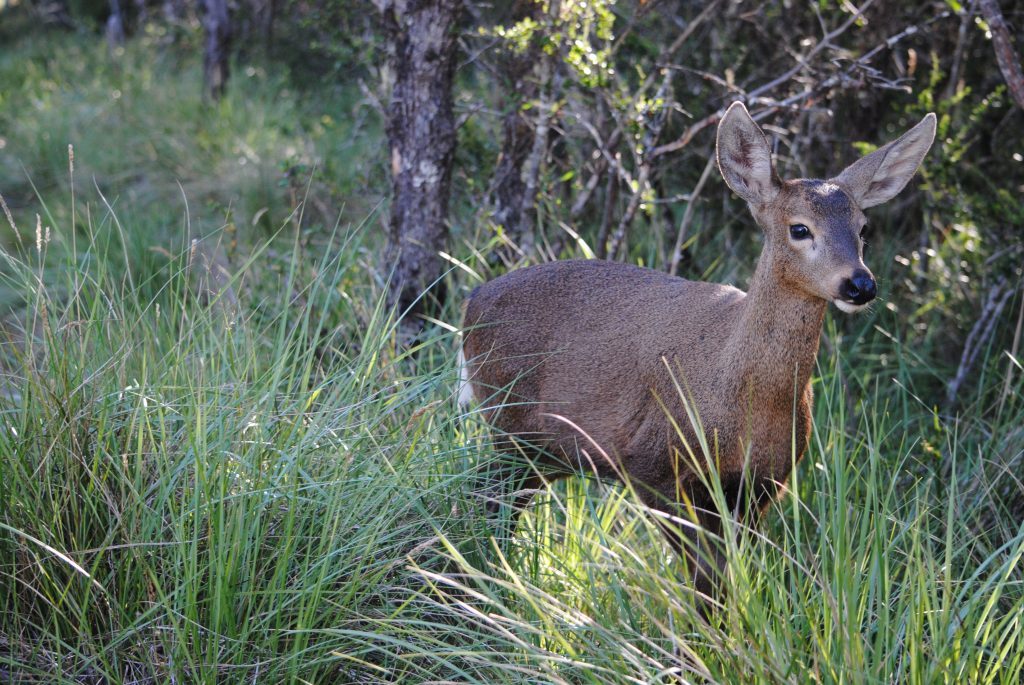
(599, 168)
(803, 62)
(684, 225)
(843, 76)
(996, 299)
(1002, 43)
(643, 161)
(958, 55)
(613, 140)
(687, 136)
(610, 199)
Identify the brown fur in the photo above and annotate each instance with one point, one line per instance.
(592, 342)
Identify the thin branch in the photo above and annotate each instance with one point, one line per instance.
(1014, 352)
(1002, 43)
(825, 42)
(602, 164)
(644, 162)
(605, 148)
(610, 199)
(687, 136)
(684, 225)
(958, 55)
(709, 10)
(547, 78)
(581, 201)
(979, 336)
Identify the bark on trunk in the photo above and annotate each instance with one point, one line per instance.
(141, 15)
(173, 11)
(115, 29)
(217, 25)
(421, 136)
(509, 207)
(267, 14)
(1002, 42)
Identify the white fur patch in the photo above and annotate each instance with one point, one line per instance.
(825, 189)
(849, 307)
(465, 387)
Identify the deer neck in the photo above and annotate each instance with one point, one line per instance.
(775, 339)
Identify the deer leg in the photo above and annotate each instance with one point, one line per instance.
(706, 560)
(509, 483)
(696, 538)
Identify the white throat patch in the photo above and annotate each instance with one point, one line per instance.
(849, 307)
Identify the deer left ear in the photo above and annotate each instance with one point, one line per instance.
(878, 177)
(744, 157)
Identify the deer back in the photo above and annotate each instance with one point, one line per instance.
(573, 354)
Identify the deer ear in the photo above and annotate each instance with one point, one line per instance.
(878, 177)
(744, 157)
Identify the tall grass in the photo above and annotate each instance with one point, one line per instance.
(144, 137)
(203, 498)
(191, 496)
(194, 494)
(874, 571)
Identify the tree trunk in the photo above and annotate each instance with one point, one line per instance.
(509, 207)
(216, 47)
(266, 14)
(421, 135)
(141, 15)
(1002, 42)
(173, 11)
(115, 29)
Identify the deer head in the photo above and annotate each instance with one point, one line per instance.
(814, 230)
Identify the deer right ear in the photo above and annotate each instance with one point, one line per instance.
(744, 157)
(878, 177)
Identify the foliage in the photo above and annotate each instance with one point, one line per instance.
(245, 162)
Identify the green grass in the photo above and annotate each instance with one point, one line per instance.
(143, 137)
(280, 496)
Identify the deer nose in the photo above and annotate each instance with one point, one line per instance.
(859, 289)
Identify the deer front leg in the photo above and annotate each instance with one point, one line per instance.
(695, 536)
(507, 482)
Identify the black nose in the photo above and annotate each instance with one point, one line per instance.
(859, 289)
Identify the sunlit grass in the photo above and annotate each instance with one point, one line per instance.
(282, 494)
(873, 572)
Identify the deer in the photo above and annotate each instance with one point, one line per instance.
(580, 364)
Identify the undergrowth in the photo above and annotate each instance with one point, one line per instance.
(275, 491)
(275, 494)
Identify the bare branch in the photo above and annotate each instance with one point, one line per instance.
(684, 225)
(958, 54)
(611, 197)
(613, 140)
(644, 162)
(1009, 62)
(825, 42)
(684, 140)
(979, 336)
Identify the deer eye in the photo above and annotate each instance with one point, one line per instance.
(799, 232)
(864, 232)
